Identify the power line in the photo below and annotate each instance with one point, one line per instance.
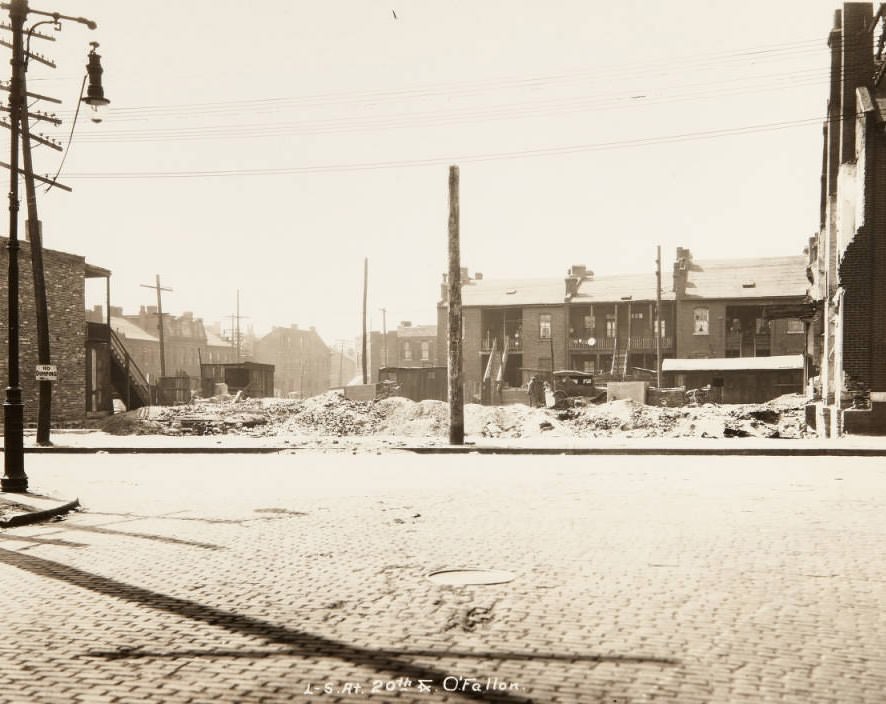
(454, 88)
(434, 161)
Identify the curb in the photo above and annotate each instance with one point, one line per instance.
(482, 450)
(24, 519)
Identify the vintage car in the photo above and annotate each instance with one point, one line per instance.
(571, 384)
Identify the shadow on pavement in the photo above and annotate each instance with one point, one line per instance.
(143, 536)
(124, 653)
(18, 538)
(395, 662)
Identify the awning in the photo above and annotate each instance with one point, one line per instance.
(726, 364)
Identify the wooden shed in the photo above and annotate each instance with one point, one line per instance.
(738, 379)
(417, 383)
(253, 379)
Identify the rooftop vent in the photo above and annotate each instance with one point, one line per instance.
(749, 284)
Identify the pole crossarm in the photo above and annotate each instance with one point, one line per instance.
(31, 55)
(39, 116)
(4, 85)
(39, 138)
(38, 178)
(36, 35)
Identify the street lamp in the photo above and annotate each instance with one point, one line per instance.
(95, 94)
(15, 479)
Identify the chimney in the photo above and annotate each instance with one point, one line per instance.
(578, 270)
(117, 311)
(478, 276)
(681, 271)
(405, 323)
(572, 283)
(188, 315)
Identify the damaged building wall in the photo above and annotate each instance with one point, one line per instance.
(848, 259)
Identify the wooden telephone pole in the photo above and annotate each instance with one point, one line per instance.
(456, 390)
(365, 292)
(384, 331)
(156, 285)
(658, 314)
(235, 330)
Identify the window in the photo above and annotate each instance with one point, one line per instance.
(590, 323)
(425, 351)
(589, 366)
(544, 326)
(610, 326)
(636, 316)
(664, 327)
(407, 351)
(795, 327)
(762, 326)
(702, 322)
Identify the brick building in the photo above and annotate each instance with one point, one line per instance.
(65, 276)
(607, 325)
(407, 346)
(186, 343)
(847, 256)
(301, 360)
(414, 345)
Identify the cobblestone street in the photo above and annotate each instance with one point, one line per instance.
(303, 577)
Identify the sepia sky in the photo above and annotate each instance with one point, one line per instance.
(270, 146)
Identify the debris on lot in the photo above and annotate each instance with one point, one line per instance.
(332, 415)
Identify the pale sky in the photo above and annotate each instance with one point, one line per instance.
(270, 146)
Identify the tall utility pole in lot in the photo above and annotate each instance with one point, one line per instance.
(365, 291)
(156, 285)
(456, 392)
(658, 314)
(15, 479)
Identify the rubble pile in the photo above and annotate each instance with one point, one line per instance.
(332, 415)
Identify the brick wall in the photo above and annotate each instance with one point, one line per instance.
(784, 342)
(64, 276)
(534, 347)
(691, 345)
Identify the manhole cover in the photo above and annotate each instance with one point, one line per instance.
(470, 577)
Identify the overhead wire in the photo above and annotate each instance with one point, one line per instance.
(466, 158)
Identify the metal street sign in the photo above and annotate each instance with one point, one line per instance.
(47, 372)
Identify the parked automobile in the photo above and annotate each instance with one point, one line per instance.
(571, 384)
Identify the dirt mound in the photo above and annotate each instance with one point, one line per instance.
(332, 415)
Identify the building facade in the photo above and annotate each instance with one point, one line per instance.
(79, 388)
(847, 256)
(300, 358)
(614, 327)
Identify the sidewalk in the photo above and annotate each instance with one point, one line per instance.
(91, 441)
(24, 509)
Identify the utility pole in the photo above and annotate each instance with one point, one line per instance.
(35, 235)
(384, 330)
(15, 479)
(235, 328)
(365, 292)
(456, 391)
(341, 359)
(156, 285)
(658, 314)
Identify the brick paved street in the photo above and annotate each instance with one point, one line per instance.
(637, 579)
